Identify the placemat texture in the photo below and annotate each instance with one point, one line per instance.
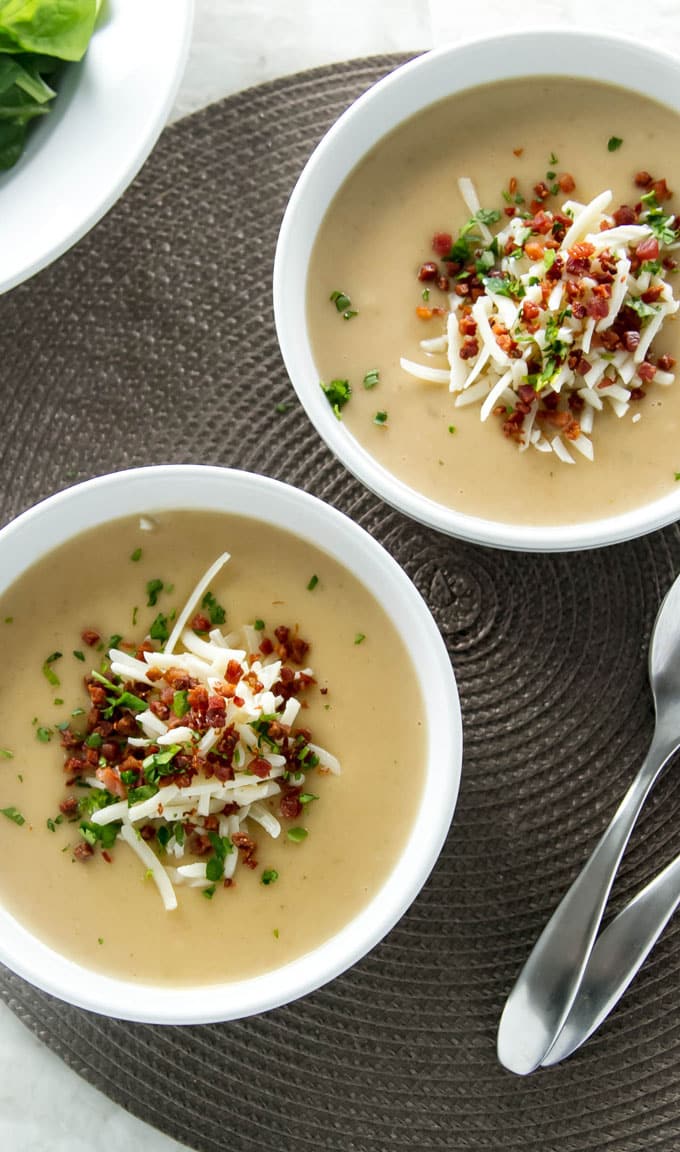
(153, 341)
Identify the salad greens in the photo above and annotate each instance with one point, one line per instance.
(35, 37)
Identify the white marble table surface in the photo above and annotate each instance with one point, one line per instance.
(237, 43)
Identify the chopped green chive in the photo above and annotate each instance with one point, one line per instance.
(209, 892)
(136, 555)
(51, 825)
(78, 712)
(307, 797)
(359, 638)
(343, 304)
(552, 159)
(425, 294)
(259, 625)
(153, 591)
(9, 619)
(13, 814)
(269, 876)
(159, 630)
(94, 740)
(380, 418)
(312, 583)
(44, 735)
(135, 610)
(215, 611)
(48, 671)
(372, 378)
(180, 702)
(613, 143)
(452, 429)
(100, 939)
(297, 835)
(276, 933)
(677, 475)
(8, 755)
(337, 394)
(57, 701)
(78, 654)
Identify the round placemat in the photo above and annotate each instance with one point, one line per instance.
(153, 341)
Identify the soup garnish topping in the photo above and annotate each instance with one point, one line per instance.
(184, 751)
(552, 317)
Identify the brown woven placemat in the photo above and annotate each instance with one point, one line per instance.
(153, 341)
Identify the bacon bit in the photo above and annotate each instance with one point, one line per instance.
(597, 308)
(424, 313)
(582, 251)
(661, 190)
(97, 694)
(566, 182)
(517, 151)
(530, 311)
(643, 179)
(574, 289)
(467, 326)
(145, 646)
(198, 698)
(666, 363)
(625, 215)
(506, 343)
(443, 283)
(106, 857)
(510, 210)
(556, 419)
(90, 637)
(154, 674)
(112, 782)
(246, 845)
(512, 185)
(69, 806)
(289, 805)
(573, 430)
(637, 393)
(233, 672)
(443, 312)
(646, 371)
(651, 295)
(648, 249)
(555, 271)
(428, 271)
(534, 249)
(535, 206)
(578, 363)
(441, 243)
(216, 712)
(159, 709)
(604, 291)
(542, 221)
(576, 402)
(83, 851)
(610, 339)
(266, 647)
(526, 393)
(541, 190)
(200, 622)
(470, 348)
(148, 832)
(260, 767)
(604, 226)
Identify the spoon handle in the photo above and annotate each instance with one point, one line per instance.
(618, 954)
(544, 992)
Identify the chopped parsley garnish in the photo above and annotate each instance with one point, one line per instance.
(259, 625)
(100, 939)
(6, 754)
(643, 310)
(136, 555)
(78, 654)
(102, 834)
(359, 638)
(372, 378)
(153, 591)
(269, 876)
(307, 797)
(552, 159)
(13, 814)
(452, 428)
(677, 475)
(504, 286)
(261, 729)
(215, 611)
(180, 702)
(222, 847)
(160, 763)
(44, 735)
(297, 835)
(94, 740)
(314, 580)
(425, 294)
(337, 394)
(145, 792)
(48, 671)
(209, 892)
(614, 143)
(160, 630)
(380, 418)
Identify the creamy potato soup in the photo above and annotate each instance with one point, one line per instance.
(528, 148)
(78, 884)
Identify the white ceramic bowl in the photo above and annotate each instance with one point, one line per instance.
(146, 490)
(399, 96)
(106, 118)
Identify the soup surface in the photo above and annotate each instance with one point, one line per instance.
(377, 234)
(109, 915)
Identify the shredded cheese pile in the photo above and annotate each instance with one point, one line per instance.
(560, 320)
(250, 706)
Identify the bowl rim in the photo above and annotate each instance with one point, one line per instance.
(72, 511)
(123, 166)
(323, 171)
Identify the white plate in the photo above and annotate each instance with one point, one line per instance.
(107, 116)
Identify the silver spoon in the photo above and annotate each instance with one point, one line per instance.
(547, 986)
(616, 957)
